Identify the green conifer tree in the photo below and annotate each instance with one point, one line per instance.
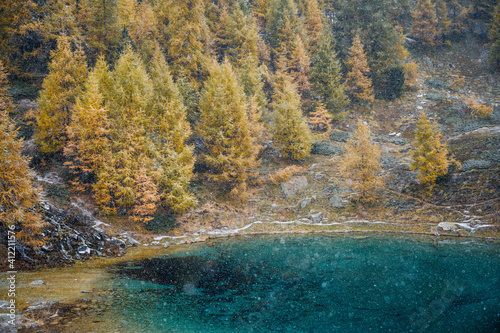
(67, 73)
(329, 88)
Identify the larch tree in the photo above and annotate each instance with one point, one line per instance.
(130, 96)
(170, 130)
(290, 131)
(88, 135)
(15, 17)
(67, 74)
(99, 21)
(425, 26)
(226, 130)
(430, 153)
(313, 23)
(300, 68)
(361, 165)
(320, 119)
(185, 37)
(18, 195)
(495, 38)
(326, 77)
(147, 197)
(359, 83)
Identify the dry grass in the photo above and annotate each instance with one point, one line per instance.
(283, 175)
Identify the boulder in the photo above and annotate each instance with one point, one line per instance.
(316, 217)
(293, 185)
(305, 202)
(336, 201)
(326, 148)
(436, 84)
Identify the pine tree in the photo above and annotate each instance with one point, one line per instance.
(18, 196)
(88, 142)
(225, 128)
(430, 155)
(361, 165)
(67, 73)
(358, 81)
(290, 131)
(147, 198)
(167, 120)
(425, 23)
(495, 38)
(326, 76)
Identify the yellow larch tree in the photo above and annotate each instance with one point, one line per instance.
(18, 195)
(88, 135)
(359, 83)
(225, 128)
(300, 68)
(147, 197)
(290, 131)
(169, 132)
(360, 165)
(430, 153)
(425, 26)
(67, 74)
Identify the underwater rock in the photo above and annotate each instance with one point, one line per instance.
(37, 283)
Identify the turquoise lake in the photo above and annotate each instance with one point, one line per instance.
(312, 284)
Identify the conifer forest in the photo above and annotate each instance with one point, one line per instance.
(141, 124)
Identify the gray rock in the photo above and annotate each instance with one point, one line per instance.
(326, 148)
(436, 84)
(84, 249)
(316, 217)
(4, 304)
(293, 185)
(340, 136)
(435, 96)
(447, 226)
(5, 327)
(475, 164)
(305, 202)
(336, 201)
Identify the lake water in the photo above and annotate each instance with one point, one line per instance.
(310, 284)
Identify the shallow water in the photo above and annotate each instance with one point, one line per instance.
(309, 284)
